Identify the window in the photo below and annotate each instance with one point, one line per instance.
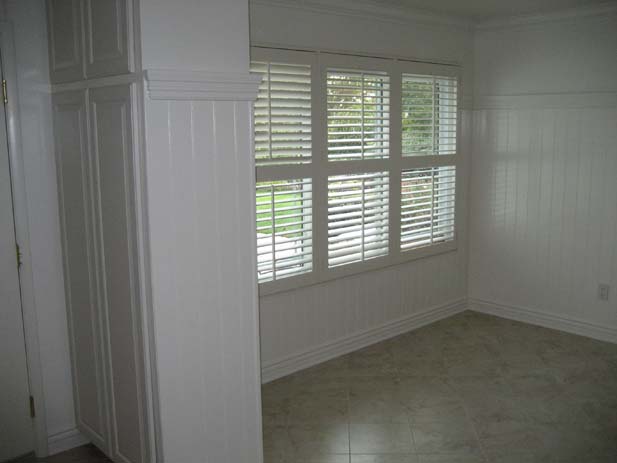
(357, 217)
(358, 115)
(282, 119)
(356, 164)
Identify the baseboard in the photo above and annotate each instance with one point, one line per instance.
(535, 317)
(65, 440)
(341, 346)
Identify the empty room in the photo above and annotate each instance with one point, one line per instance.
(308, 231)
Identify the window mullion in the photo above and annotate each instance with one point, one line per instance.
(395, 164)
(320, 164)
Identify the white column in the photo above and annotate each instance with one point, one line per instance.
(200, 202)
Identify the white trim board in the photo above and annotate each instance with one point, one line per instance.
(535, 317)
(329, 350)
(65, 440)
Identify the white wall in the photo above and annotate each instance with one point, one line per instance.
(29, 25)
(543, 221)
(307, 325)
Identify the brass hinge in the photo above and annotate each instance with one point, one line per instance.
(18, 255)
(4, 93)
(32, 411)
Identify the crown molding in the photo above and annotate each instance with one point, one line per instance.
(368, 10)
(165, 84)
(600, 10)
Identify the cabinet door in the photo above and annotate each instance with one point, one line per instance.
(112, 149)
(85, 322)
(107, 49)
(64, 24)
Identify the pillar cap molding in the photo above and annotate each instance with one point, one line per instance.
(164, 84)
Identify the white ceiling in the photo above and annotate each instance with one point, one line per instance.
(480, 10)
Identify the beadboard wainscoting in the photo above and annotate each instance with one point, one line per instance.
(307, 326)
(543, 223)
(201, 193)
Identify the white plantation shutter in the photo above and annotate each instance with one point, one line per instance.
(427, 206)
(361, 202)
(429, 115)
(284, 206)
(283, 114)
(357, 217)
(284, 229)
(358, 106)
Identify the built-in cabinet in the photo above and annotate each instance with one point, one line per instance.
(96, 161)
(89, 39)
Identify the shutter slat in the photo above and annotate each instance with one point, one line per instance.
(429, 115)
(282, 114)
(427, 206)
(357, 217)
(284, 229)
(358, 114)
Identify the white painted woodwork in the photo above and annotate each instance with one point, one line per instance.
(106, 32)
(110, 116)
(65, 22)
(85, 320)
(543, 223)
(15, 423)
(201, 193)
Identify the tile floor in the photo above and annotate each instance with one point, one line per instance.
(471, 388)
(84, 454)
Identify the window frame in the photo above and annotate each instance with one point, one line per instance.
(320, 168)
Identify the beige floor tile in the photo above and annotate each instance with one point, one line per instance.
(469, 387)
(380, 438)
(392, 458)
(444, 437)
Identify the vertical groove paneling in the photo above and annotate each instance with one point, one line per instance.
(201, 193)
(544, 210)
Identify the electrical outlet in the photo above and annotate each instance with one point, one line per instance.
(603, 291)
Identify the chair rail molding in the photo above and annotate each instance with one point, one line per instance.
(201, 85)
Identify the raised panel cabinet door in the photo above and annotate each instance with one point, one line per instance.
(85, 320)
(107, 37)
(111, 132)
(64, 24)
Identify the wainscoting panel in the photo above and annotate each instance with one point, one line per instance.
(201, 211)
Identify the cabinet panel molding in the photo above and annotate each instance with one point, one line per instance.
(65, 19)
(74, 182)
(107, 37)
(112, 152)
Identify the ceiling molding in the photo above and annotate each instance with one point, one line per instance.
(601, 10)
(368, 10)
(201, 85)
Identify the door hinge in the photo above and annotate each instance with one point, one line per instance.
(5, 95)
(32, 411)
(18, 255)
